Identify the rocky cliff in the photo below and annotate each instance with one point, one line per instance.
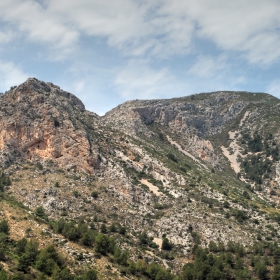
(190, 120)
(201, 115)
(39, 121)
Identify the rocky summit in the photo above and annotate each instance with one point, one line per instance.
(39, 121)
(182, 188)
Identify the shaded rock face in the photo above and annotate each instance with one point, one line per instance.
(185, 115)
(39, 121)
(193, 118)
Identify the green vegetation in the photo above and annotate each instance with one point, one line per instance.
(264, 153)
(166, 245)
(95, 194)
(261, 261)
(40, 212)
(4, 181)
(33, 263)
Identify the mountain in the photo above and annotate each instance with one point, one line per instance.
(161, 177)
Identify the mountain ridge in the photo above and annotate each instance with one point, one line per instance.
(197, 169)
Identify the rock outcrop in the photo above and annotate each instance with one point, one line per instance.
(39, 121)
(193, 118)
(201, 115)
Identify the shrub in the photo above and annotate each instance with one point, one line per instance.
(226, 204)
(94, 194)
(49, 260)
(122, 230)
(172, 157)
(121, 257)
(90, 275)
(104, 244)
(40, 212)
(88, 238)
(76, 194)
(4, 227)
(143, 238)
(103, 228)
(246, 195)
(166, 245)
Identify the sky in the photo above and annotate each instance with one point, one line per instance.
(109, 51)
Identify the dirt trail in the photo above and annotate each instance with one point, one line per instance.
(152, 187)
(244, 117)
(233, 157)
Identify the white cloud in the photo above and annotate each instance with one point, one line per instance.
(139, 81)
(160, 28)
(132, 27)
(247, 26)
(10, 75)
(274, 88)
(79, 86)
(5, 37)
(207, 66)
(31, 19)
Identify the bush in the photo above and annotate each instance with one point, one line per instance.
(240, 215)
(49, 260)
(246, 195)
(172, 157)
(213, 247)
(4, 227)
(153, 270)
(143, 238)
(3, 275)
(104, 244)
(226, 204)
(4, 181)
(121, 257)
(28, 255)
(20, 246)
(122, 230)
(94, 194)
(2, 252)
(166, 245)
(64, 274)
(76, 194)
(90, 275)
(103, 228)
(40, 212)
(87, 238)
(196, 237)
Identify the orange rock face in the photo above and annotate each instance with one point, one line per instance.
(39, 121)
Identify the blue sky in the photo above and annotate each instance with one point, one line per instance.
(108, 52)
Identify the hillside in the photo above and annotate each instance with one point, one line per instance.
(161, 179)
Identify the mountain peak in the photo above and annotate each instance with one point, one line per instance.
(40, 121)
(34, 91)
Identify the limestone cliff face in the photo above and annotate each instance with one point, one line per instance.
(39, 121)
(201, 115)
(193, 118)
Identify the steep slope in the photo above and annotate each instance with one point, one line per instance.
(213, 129)
(194, 118)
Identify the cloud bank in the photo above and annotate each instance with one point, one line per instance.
(211, 36)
